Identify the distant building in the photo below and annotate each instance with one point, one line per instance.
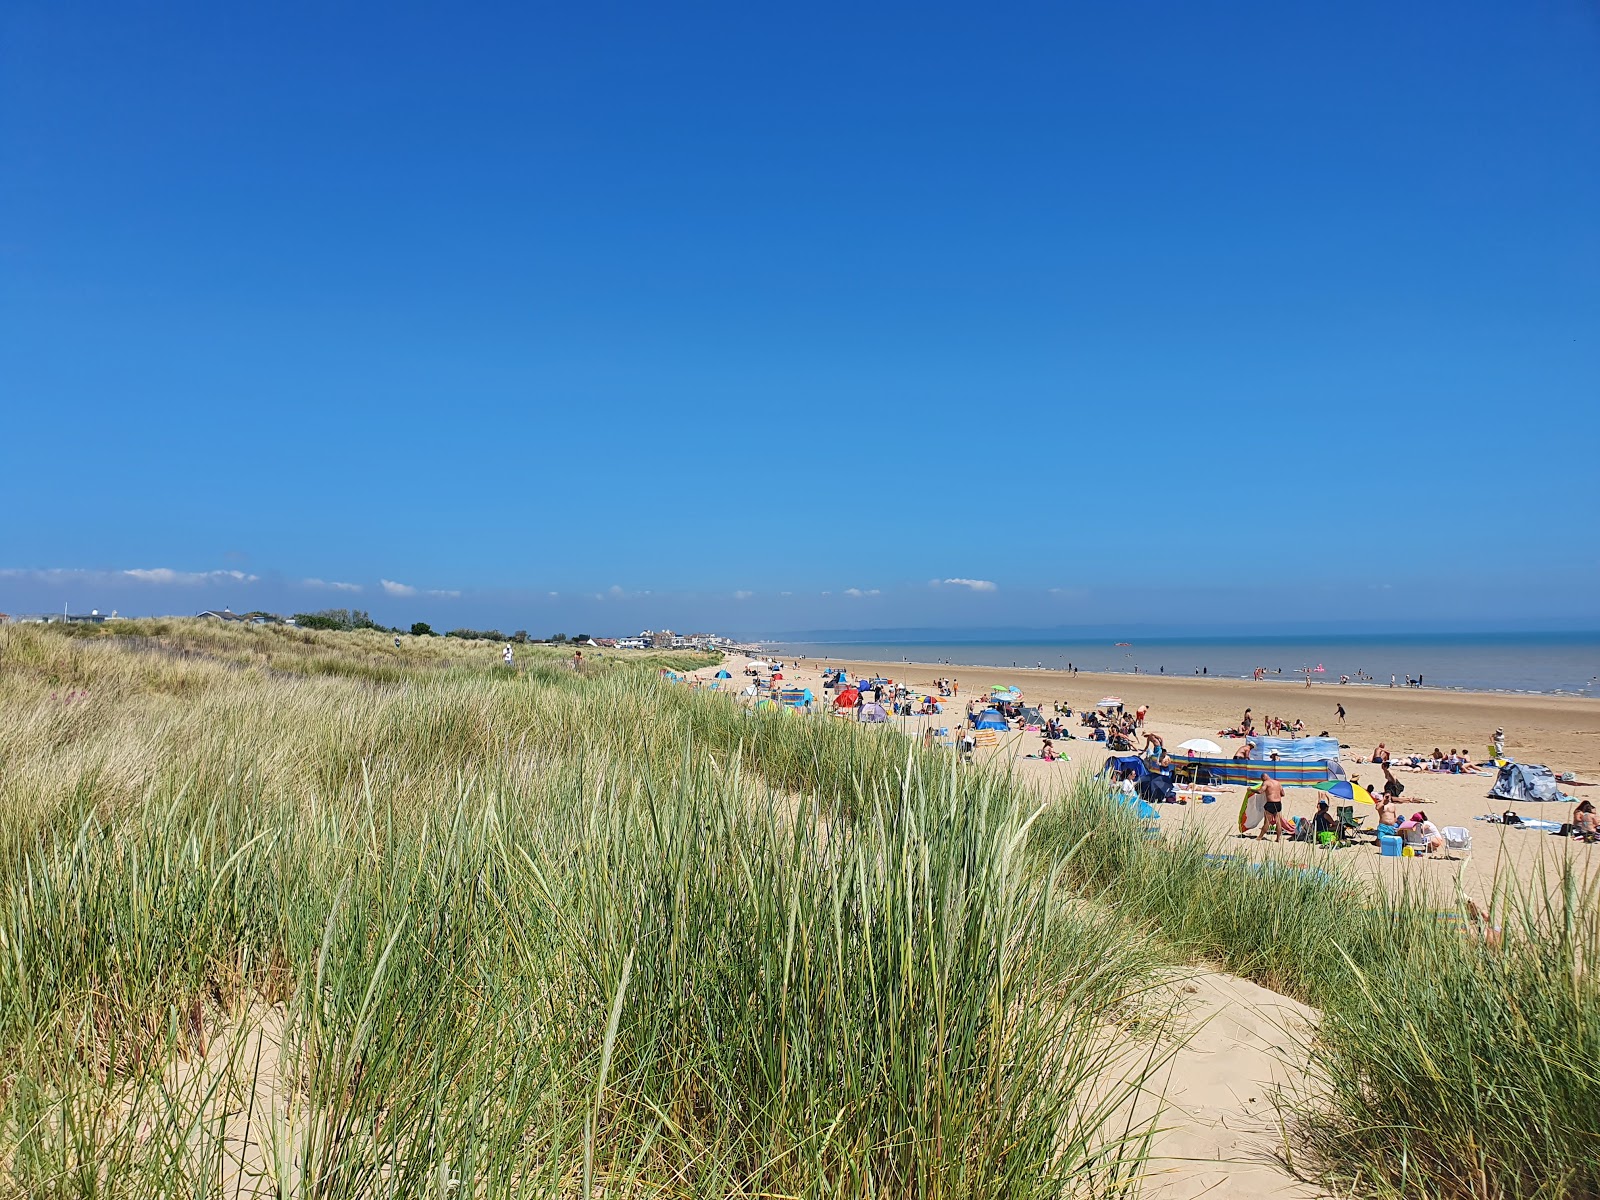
(633, 643)
(661, 639)
(226, 614)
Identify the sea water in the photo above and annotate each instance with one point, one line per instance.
(1566, 663)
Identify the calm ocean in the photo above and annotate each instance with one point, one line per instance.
(1528, 662)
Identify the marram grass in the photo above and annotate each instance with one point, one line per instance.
(326, 933)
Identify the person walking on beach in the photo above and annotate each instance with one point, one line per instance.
(1338, 711)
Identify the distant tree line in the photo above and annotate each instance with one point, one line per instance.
(337, 618)
(355, 618)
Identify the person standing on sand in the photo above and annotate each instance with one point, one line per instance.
(1338, 711)
(1272, 800)
(1139, 714)
(1499, 743)
(505, 655)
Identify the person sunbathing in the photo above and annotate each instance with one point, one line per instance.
(1585, 821)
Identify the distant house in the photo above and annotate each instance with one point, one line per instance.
(226, 614)
(633, 643)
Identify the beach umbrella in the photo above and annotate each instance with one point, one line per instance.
(1108, 701)
(1343, 789)
(722, 675)
(1201, 748)
(759, 664)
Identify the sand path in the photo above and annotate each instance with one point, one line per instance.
(1224, 1133)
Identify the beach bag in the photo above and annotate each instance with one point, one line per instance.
(1510, 818)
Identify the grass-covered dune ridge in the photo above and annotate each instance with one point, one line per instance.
(321, 934)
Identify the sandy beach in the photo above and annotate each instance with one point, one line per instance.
(1562, 732)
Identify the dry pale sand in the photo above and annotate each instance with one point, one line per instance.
(1561, 731)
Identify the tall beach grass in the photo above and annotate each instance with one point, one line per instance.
(269, 931)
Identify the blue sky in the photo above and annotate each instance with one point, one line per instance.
(562, 316)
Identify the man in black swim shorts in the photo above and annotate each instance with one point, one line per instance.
(1272, 797)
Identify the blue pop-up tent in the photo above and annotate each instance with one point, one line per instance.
(1118, 763)
(990, 719)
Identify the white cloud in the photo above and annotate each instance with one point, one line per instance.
(398, 589)
(166, 575)
(452, 592)
(332, 585)
(615, 590)
(858, 593)
(553, 595)
(742, 595)
(48, 575)
(977, 585)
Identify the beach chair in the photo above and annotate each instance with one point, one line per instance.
(1415, 839)
(986, 739)
(1457, 840)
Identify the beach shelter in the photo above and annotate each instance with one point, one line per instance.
(872, 714)
(990, 719)
(796, 697)
(1525, 782)
(768, 702)
(846, 698)
(1032, 716)
(722, 675)
(1116, 764)
(1298, 750)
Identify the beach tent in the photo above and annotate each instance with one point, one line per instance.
(1118, 763)
(990, 719)
(1527, 783)
(846, 698)
(872, 714)
(1033, 716)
